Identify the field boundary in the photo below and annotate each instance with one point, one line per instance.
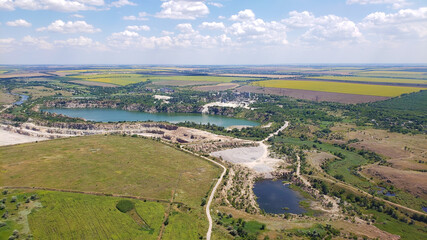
(93, 193)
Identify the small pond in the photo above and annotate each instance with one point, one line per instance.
(275, 197)
(117, 115)
(22, 100)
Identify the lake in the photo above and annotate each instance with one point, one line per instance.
(116, 115)
(274, 197)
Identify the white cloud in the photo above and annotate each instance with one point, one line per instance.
(393, 3)
(81, 42)
(125, 33)
(182, 9)
(18, 23)
(142, 16)
(55, 5)
(406, 22)
(121, 3)
(77, 16)
(138, 28)
(325, 28)
(39, 42)
(249, 29)
(7, 5)
(218, 5)
(244, 15)
(6, 45)
(212, 25)
(69, 27)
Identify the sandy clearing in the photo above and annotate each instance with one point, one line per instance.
(255, 158)
(10, 138)
(226, 104)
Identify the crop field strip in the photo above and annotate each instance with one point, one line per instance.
(371, 79)
(125, 79)
(338, 87)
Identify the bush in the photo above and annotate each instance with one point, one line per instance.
(125, 206)
(14, 198)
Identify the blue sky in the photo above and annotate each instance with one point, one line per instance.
(212, 32)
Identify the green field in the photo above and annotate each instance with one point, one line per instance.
(80, 216)
(338, 87)
(118, 79)
(371, 79)
(108, 164)
(394, 74)
(125, 79)
(394, 226)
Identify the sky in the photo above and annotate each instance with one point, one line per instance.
(213, 32)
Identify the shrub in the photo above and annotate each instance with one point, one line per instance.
(14, 198)
(125, 206)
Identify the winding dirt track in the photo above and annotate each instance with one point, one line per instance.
(208, 205)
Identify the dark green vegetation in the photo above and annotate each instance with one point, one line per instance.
(404, 114)
(125, 206)
(239, 228)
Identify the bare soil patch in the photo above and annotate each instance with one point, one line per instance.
(218, 87)
(11, 138)
(16, 75)
(318, 158)
(411, 181)
(98, 84)
(313, 95)
(180, 83)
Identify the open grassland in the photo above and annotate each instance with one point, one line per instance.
(117, 79)
(40, 91)
(394, 226)
(371, 79)
(347, 88)
(109, 164)
(6, 98)
(80, 216)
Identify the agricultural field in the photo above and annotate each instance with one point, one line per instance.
(395, 74)
(126, 79)
(109, 165)
(91, 217)
(117, 79)
(335, 87)
(371, 79)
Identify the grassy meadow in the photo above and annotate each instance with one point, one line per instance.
(109, 164)
(335, 87)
